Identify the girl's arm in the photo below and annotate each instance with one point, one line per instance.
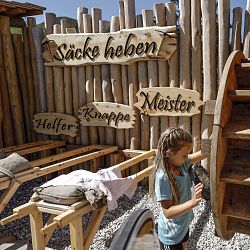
(172, 211)
(197, 156)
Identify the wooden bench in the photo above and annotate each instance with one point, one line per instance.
(61, 215)
(50, 164)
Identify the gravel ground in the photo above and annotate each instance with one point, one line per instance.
(201, 231)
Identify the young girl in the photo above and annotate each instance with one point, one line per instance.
(173, 187)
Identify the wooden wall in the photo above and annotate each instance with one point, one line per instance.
(27, 87)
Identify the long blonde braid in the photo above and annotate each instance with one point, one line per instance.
(172, 139)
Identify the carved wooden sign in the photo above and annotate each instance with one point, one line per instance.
(55, 124)
(122, 47)
(165, 101)
(106, 114)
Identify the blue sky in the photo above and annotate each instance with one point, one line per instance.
(109, 7)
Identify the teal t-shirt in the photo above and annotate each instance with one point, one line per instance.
(172, 231)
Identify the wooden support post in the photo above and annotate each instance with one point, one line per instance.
(196, 67)
(224, 28)
(96, 17)
(246, 37)
(20, 63)
(185, 45)
(173, 64)
(1, 120)
(87, 22)
(116, 82)
(160, 14)
(76, 234)
(80, 12)
(148, 20)
(36, 224)
(236, 30)
(133, 86)
(12, 80)
(208, 8)
(49, 21)
(7, 127)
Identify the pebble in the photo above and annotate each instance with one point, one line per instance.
(201, 230)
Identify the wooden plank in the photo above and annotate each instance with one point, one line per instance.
(236, 203)
(236, 29)
(61, 156)
(238, 130)
(242, 75)
(238, 225)
(239, 95)
(23, 177)
(25, 146)
(40, 148)
(76, 234)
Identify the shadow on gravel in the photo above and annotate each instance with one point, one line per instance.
(199, 226)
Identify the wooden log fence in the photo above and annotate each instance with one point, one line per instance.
(28, 87)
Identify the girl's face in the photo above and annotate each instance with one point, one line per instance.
(179, 157)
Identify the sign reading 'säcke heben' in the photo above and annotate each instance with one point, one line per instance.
(122, 47)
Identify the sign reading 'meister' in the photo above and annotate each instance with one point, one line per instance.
(122, 47)
(160, 101)
(106, 114)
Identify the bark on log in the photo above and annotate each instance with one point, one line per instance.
(12, 80)
(173, 61)
(185, 55)
(224, 26)
(208, 8)
(160, 15)
(130, 22)
(7, 126)
(20, 63)
(236, 29)
(196, 67)
(147, 17)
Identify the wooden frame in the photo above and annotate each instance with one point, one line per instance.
(72, 215)
(40, 167)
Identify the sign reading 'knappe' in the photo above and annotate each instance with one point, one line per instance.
(122, 47)
(106, 114)
(166, 101)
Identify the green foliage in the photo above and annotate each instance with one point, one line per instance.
(14, 30)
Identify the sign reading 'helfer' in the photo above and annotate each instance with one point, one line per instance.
(122, 47)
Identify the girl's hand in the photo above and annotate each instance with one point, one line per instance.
(197, 194)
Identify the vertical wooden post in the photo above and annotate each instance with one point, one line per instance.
(196, 67)
(106, 86)
(236, 30)
(49, 21)
(29, 75)
(96, 17)
(185, 55)
(36, 224)
(246, 37)
(20, 63)
(87, 22)
(208, 8)
(147, 17)
(173, 61)
(31, 21)
(76, 234)
(12, 80)
(143, 83)
(224, 26)
(80, 12)
(84, 131)
(116, 81)
(160, 14)
(1, 119)
(124, 72)
(7, 127)
(67, 82)
(130, 22)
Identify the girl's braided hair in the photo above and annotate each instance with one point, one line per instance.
(172, 139)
